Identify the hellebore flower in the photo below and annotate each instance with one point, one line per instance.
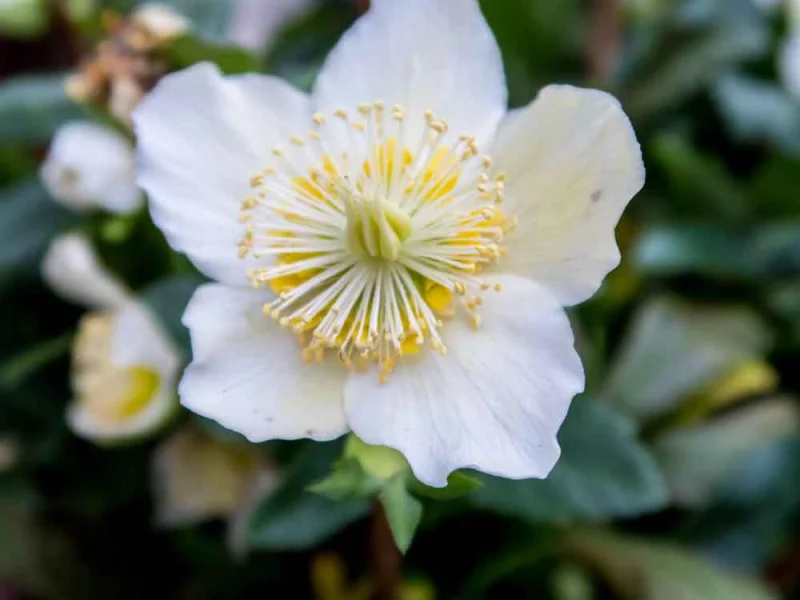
(417, 240)
(124, 366)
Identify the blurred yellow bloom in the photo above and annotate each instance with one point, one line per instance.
(196, 477)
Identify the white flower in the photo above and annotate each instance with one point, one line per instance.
(124, 366)
(123, 375)
(91, 166)
(71, 268)
(424, 280)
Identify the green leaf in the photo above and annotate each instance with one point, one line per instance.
(28, 221)
(639, 569)
(209, 17)
(291, 517)
(299, 49)
(348, 481)
(458, 485)
(706, 248)
(712, 249)
(381, 462)
(684, 63)
(603, 472)
(18, 368)
(758, 111)
(699, 184)
(674, 348)
(692, 13)
(784, 300)
(403, 511)
(697, 458)
(168, 299)
(754, 511)
(32, 107)
(774, 185)
(541, 42)
(188, 50)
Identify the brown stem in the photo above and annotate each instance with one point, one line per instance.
(363, 5)
(605, 39)
(784, 574)
(384, 558)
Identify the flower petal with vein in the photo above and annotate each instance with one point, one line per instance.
(392, 253)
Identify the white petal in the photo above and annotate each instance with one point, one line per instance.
(72, 269)
(494, 402)
(573, 164)
(201, 137)
(249, 375)
(423, 54)
(139, 339)
(151, 419)
(90, 166)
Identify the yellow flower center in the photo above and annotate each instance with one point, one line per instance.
(109, 392)
(372, 230)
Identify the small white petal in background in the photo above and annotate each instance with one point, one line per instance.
(161, 20)
(255, 23)
(73, 271)
(91, 166)
(196, 477)
(123, 376)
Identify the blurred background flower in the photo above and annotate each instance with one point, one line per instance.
(91, 166)
(679, 471)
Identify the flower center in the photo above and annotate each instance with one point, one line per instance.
(376, 228)
(110, 392)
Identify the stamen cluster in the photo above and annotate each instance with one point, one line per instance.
(375, 228)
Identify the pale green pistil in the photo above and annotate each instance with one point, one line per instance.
(377, 228)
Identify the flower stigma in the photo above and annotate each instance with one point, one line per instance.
(374, 232)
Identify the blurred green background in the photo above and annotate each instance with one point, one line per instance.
(680, 474)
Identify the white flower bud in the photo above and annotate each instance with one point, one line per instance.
(90, 166)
